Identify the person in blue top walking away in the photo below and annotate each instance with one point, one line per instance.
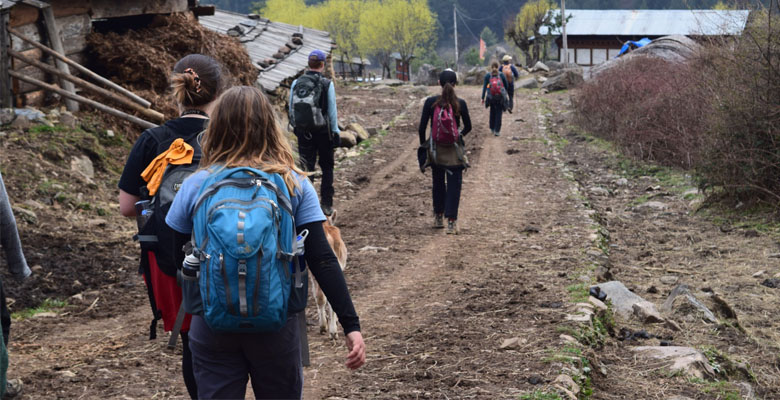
(510, 73)
(244, 133)
(314, 118)
(494, 94)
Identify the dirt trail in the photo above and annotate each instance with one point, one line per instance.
(435, 308)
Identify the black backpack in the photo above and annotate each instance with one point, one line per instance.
(308, 108)
(156, 235)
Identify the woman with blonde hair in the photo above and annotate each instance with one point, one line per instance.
(244, 133)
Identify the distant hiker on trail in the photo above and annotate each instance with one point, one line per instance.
(494, 96)
(445, 149)
(17, 264)
(158, 163)
(315, 122)
(244, 209)
(510, 73)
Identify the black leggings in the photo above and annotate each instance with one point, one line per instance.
(186, 366)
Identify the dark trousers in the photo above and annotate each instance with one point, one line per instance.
(446, 195)
(5, 315)
(223, 362)
(510, 91)
(311, 145)
(496, 111)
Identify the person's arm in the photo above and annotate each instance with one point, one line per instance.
(503, 80)
(325, 267)
(130, 183)
(464, 115)
(127, 203)
(484, 86)
(424, 118)
(332, 112)
(290, 102)
(9, 237)
(515, 72)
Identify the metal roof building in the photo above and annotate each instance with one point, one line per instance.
(271, 45)
(597, 35)
(654, 22)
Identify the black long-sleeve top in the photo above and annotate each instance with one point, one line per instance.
(427, 114)
(323, 263)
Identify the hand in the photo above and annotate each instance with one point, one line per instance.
(336, 139)
(483, 101)
(357, 350)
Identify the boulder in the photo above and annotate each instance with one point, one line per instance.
(646, 312)
(569, 78)
(360, 133)
(675, 48)
(83, 165)
(527, 83)
(348, 139)
(26, 215)
(540, 66)
(393, 82)
(474, 76)
(7, 115)
(686, 301)
(622, 299)
(427, 75)
(68, 120)
(686, 360)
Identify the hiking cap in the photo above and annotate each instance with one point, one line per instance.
(507, 57)
(317, 55)
(448, 76)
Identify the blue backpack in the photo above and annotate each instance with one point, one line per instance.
(243, 234)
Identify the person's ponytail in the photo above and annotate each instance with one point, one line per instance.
(197, 80)
(448, 98)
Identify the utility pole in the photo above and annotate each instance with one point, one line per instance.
(455, 20)
(565, 57)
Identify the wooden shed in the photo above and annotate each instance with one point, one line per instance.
(73, 21)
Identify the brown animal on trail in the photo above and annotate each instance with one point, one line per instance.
(327, 318)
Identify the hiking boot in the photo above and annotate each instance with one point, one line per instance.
(438, 221)
(496, 133)
(13, 388)
(327, 210)
(452, 227)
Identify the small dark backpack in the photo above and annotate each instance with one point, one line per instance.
(307, 108)
(156, 235)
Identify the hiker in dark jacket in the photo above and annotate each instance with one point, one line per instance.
(450, 161)
(495, 102)
(196, 83)
(510, 73)
(244, 133)
(17, 264)
(321, 142)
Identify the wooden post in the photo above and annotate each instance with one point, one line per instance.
(6, 96)
(147, 112)
(56, 44)
(43, 85)
(81, 69)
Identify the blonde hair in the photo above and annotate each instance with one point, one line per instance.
(243, 131)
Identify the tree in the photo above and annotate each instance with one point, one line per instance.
(341, 18)
(524, 29)
(293, 12)
(412, 25)
(472, 57)
(374, 29)
(488, 36)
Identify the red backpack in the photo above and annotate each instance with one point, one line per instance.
(496, 85)
(445, 128)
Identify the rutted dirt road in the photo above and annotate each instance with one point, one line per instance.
(437, 309)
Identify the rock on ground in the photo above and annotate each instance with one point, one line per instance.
(622, 299)
(527, 83)
(348, 139)
(677, 358)
(567, 79)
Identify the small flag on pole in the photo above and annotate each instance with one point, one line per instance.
(482, 49)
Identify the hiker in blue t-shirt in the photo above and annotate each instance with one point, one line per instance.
(223, 361)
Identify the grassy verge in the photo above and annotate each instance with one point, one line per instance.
(48, 305)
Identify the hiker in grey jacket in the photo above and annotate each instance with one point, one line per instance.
(17, 264)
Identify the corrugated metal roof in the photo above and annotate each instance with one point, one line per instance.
(654, 22)
(263, 38)
(7, 4)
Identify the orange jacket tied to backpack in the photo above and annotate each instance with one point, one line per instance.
(178, 153)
